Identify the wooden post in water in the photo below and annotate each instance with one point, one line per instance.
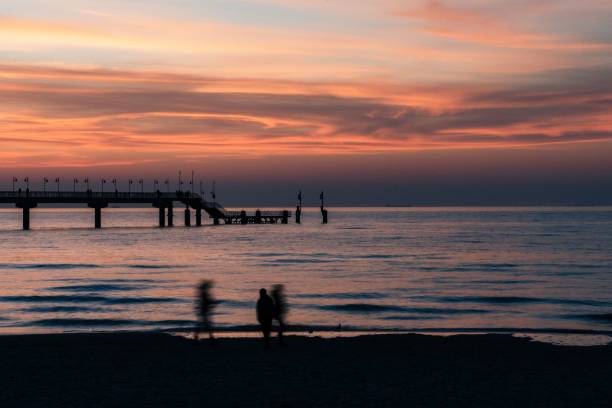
(285, 217)
(298, 210)
(323, 210)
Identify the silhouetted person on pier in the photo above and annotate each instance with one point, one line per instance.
(280, 309)
(265, 314)
(204, 307)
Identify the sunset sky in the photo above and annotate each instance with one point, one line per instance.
(387, 101)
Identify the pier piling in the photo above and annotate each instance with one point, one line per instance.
(187, 217)
(198, 215)
(26, 218)
(162, 217)
(170, 216)
(162, 201)
(98, 217)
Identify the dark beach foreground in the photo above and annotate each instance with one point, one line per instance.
(159, 370)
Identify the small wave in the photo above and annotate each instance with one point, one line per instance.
(406, 317)
(85, 299)
(362, 308)
(110, 280)
(299, 261)
(378, 256)
(136, 300)
(605, 317)
(374, 308)
(516, 300)
(51, 266)
(341, 295)
(62, 309)
(81, 322)
(150, 266)
(504, 282)
(97, 288)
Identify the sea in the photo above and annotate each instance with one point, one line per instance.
(538, 271)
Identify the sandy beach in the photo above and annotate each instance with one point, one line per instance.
(159, 370)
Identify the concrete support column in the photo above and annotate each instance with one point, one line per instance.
(298, 215)
(285, 217)
(187, 217)
(198, 217)
(98, 217)
(162, 217)
(258, 217)
(170, 216)
(26, 218)
(216, 221)
(324, 214)
(243, 217)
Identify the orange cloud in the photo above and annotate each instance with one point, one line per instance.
(71, 117)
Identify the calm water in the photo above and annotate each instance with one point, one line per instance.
(371, 268)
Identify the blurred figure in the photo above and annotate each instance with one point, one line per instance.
(204, 307)
(265, 314)
(280, 309)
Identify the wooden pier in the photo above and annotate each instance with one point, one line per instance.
(164, 202)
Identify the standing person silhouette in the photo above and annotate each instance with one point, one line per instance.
(204, 306)
(265, 314)
(280, 309)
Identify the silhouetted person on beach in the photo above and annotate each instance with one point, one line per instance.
(205, 304)
(265, 314)
(280, 309)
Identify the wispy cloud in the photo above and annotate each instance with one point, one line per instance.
(97, 114)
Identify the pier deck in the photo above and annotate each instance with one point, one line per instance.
(165, 202)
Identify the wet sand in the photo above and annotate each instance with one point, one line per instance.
(159, 370)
